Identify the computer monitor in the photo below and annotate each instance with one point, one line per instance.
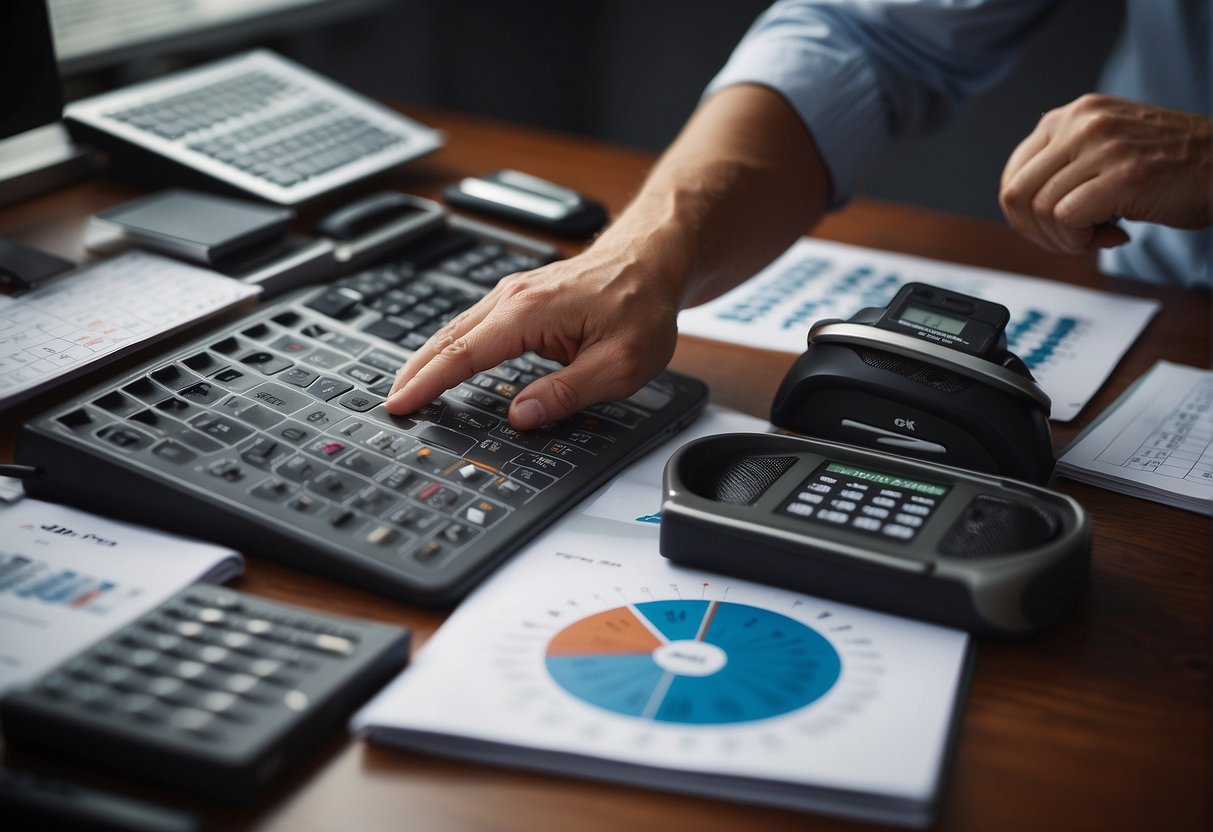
(98, 34)
(35, 152)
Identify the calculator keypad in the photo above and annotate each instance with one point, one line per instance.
(832, 499)
(213, 690)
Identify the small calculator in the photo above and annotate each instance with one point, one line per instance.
(214, 691)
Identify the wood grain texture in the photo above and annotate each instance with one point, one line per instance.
(1100, 724)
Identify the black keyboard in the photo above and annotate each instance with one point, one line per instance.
(269, 434)
(257, 122)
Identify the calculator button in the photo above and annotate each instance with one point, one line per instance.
(240, 683)
(238, 641)
(833, 516)
(174, 452)
(331, 644)
(908, 520)
(874, 511)
(921, 511)
(901, 532)
(806, 497)
(869, 524)
(189, 669)
(168, 688)
(884, 502)
(843, 505)
(193, 721)
(139, 705)
(219, 702)
(851, 494)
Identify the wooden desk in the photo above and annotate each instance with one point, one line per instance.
(1101, 724)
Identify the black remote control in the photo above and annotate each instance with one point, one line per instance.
(214, 691)
(35, 803)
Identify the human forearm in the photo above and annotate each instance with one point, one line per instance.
(740, 183)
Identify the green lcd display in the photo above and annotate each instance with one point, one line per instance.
(932, 320)
(887, 480)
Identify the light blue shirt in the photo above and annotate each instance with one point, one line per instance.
(864, 73)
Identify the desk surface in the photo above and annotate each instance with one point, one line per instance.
(1102, 723)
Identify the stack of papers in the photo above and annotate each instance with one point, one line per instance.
(591, 655)
(1155, 441)
(69, 578)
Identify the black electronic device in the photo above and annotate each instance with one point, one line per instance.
(34, 151)
(205, 228)
(983, 553)
(269, 432)
(214, 691)
(34, 802)
(961, 322)
(929, 376)
(255, 122)
(528, 200)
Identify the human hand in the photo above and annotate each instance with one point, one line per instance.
(1099, 159)
(603, 315)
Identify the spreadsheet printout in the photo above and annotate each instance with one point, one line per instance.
(1070, 338)
(1155, 442)
(101, 311)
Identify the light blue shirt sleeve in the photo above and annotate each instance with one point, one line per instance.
(863, 73)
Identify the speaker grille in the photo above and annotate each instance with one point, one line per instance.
(742, 478)
(994, 526)
(945, 381)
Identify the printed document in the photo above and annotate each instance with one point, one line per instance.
(69, 578)
(96, 314)
(1155, 442)
(589, 654)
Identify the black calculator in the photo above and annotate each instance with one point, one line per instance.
(214, 691)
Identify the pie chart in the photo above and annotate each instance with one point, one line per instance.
(693, 662)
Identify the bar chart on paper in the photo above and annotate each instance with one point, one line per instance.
(36, 580)
(1070, 338)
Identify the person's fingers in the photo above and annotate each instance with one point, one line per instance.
(597, 374)
(1070, 188)
(1098, 159)
(1032, 144)
(454, 329)
(1020, 192)
(456, 352)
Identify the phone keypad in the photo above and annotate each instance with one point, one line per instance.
(837, 500)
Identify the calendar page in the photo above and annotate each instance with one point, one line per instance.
(100, 312)
(1070, 338)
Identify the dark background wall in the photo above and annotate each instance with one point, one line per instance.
(631, 71)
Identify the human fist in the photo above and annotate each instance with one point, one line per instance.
(1099, 159)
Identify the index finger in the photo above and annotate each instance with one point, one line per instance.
(454, 354)
(451, 330)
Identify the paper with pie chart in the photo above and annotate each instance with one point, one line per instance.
(590, 654)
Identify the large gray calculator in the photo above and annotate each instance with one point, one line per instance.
(984, 553)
